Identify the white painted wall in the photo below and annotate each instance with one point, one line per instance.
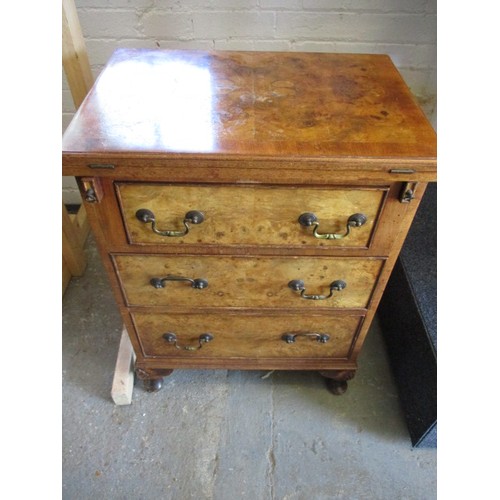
(404, 29)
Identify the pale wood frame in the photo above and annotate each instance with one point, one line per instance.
(75, 228)
(123, 379)
(77, 68)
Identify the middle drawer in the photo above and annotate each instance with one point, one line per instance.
(247, 281)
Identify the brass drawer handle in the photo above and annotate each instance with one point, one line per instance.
(171, 338)
(322, 338)
(193, 217)
(299, 286)
(309, 219)
(195, 283)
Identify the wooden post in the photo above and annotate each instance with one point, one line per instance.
(80, 80)
(72, 246)
(74, 54)
(123, 380)
(77, 68)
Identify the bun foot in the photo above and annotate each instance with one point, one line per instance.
(336, 380)
(153, 384)
(336, 387)
(152, 378)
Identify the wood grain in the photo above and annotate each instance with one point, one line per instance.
(406, 214)
(237, 336)
(251, 104)
(73, 238)
(250, 281)
(74, 54)
(250, 214)
(123, 379)
(190, 168)
(253, 141)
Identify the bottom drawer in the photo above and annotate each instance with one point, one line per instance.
(233, 335)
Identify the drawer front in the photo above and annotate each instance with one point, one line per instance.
(260, 282)
(246, 336)
(250, 215)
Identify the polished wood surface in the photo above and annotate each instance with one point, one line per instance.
(253, 140)
(241, 104)
(109, 221)
(250, 281)
(258, 336)
(242, 215)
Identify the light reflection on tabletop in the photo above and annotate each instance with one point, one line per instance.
(172, 112)
(249, 103)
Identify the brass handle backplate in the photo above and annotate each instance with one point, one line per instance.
(171, 338)
(299, 286)
(309, 219)
(322, 338)
(193, 217)
(199, 283)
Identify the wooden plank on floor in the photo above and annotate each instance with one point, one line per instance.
(66, 275)
(81, 225)
(73, 252)
(123, 380)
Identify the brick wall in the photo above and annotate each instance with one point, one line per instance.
(404, 29)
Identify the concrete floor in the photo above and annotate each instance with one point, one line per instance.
(227, 434)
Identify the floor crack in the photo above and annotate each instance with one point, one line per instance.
(271, 458)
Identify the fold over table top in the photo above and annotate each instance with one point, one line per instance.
(251, 105)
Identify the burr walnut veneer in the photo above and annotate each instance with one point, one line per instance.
(249, 207)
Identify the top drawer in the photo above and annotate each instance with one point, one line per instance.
(159, 214)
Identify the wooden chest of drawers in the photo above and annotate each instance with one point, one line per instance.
(249, 207)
